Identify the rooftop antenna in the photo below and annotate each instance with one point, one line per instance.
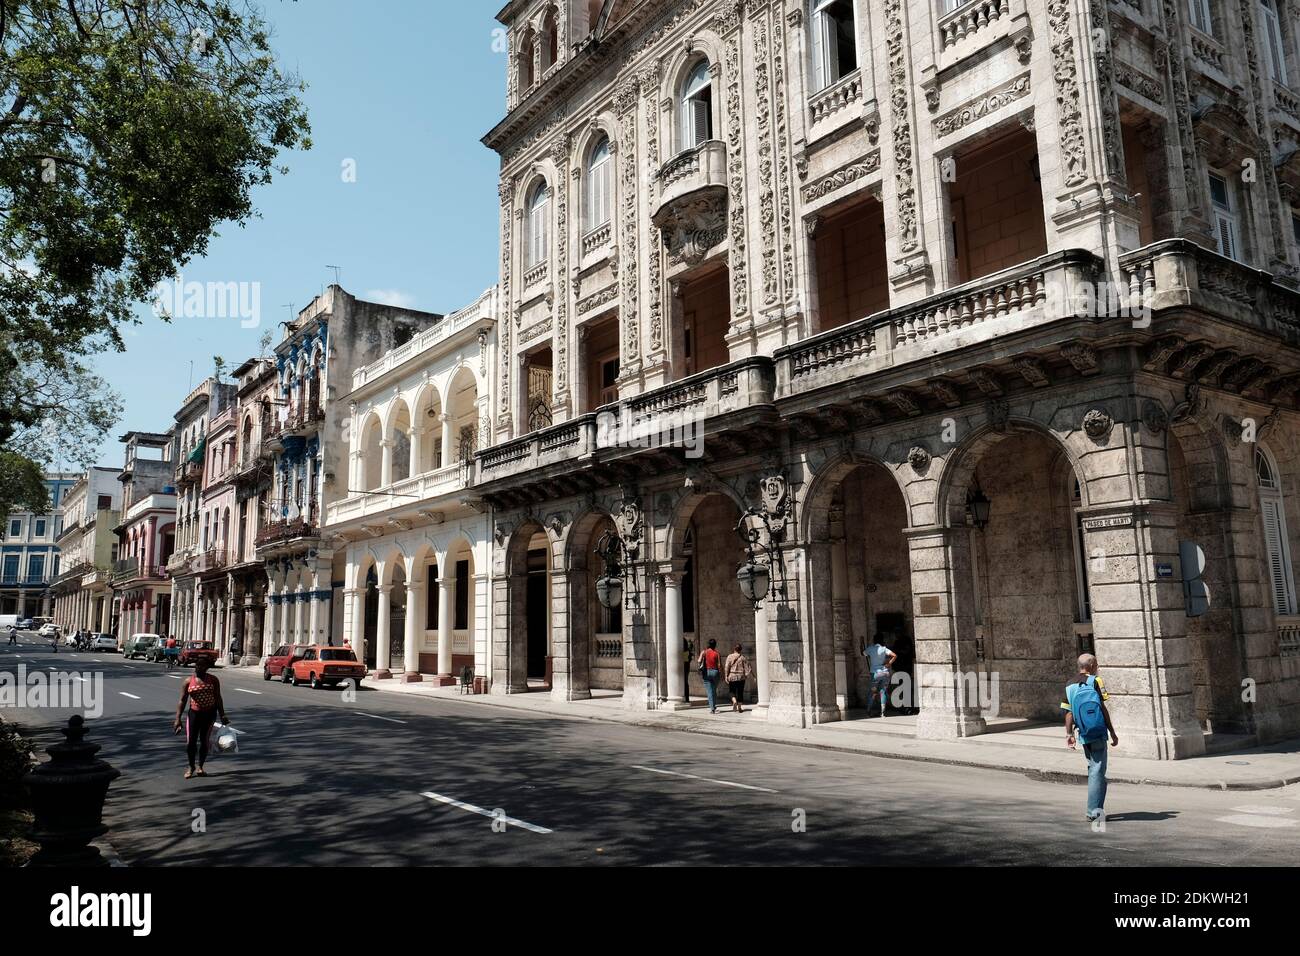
(191, 388)
(337, 272)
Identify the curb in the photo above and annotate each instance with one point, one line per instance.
(1033, 773)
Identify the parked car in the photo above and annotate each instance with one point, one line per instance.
(26, 624)
(193, 650)
(277, 663)
(157, 653)
(48, 630)
(140, 645)
(327, 666)
(104, 642)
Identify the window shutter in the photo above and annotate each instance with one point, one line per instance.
(1273, 31)
(700, 121)
(1226, 232)
(1278, 565)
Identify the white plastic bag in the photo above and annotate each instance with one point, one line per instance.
(227, 741)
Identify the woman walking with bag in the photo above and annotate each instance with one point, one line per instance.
(203, 691)
(710, 662)
(736, 671)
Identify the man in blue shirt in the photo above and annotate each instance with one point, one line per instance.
(879, 661)
(1087, 694)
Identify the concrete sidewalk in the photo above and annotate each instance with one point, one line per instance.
(1037, 751)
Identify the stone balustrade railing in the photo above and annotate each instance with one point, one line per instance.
(969, 19)
(1027, 294)
(426, 340)
(693, 400)
(402, 494)
(1179, 273)
(1286, 101)
(597, 239)
(1208, 51)
(836, 97)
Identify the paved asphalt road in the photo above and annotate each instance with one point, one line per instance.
(324, 782)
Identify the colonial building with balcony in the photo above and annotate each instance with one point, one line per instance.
(146, 535)
(330, 339)
(411, 539)
(218, 521)
(29, 553)
(191, 459)
(980, 318)
(246, 577)
(87, 549)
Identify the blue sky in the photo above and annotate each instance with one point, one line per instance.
(406, 88)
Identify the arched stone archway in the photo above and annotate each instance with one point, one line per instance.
(521, 646)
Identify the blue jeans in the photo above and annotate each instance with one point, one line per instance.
(711, 683)
(1096, 754)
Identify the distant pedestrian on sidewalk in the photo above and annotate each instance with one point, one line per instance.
(1087, 718)
(13, 634)
(203, 691)
(879, 661)
(710, 662)
(736, 671)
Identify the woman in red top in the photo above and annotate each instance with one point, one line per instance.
(710, 662)
(203, 691)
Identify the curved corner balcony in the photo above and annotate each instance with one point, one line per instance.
(692, 207)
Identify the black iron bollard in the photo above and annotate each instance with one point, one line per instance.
(68, 794)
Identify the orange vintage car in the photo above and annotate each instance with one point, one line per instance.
(325, 665)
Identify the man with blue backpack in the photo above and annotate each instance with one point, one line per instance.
(1087, 718)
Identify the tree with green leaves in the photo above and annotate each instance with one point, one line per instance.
(129, 130)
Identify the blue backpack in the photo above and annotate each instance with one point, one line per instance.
(1089, 716)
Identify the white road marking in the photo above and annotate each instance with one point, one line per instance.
(451, 801)
(125, 694)
(175, 676)
(243, 691)
(1268, 811)
(377, 717)
(1251, 820)
(691, 776)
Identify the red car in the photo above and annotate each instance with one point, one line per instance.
(193, 650)
(324, 665)
(277, 663)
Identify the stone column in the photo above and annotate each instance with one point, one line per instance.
(1140, 628)
(106, 613)
(271, 641)
(386, 466)
(418, 433)
(447, 440)
(671, 580)
(943, 606)
(414, 629)
(299, 632)
(446, 617)
(762, 656)
(382, 652)
(357, 598)
(286, 635)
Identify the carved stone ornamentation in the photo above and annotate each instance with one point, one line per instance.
(1154, 416)
(1097, 423)
(1065, 74)
(900, 96)
(999, 414)
(842, 177)
(1082, 356)
(693, 225)
(990, 102)
(1031, 369)
(919, 458)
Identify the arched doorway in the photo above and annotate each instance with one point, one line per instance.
(871, 587)
(1027, 573)
(522, 654)
(708, 550)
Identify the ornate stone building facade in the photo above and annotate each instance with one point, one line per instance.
(982, 309)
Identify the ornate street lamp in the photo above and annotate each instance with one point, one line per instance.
(754, 576)
(609, 586)
(979, 506)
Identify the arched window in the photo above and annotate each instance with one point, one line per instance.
(526, 48)
(1274, 50)
(1276, 546)
(697, 106)
(537, 238)
(834, 42)
(550, 41)
(600, 185)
